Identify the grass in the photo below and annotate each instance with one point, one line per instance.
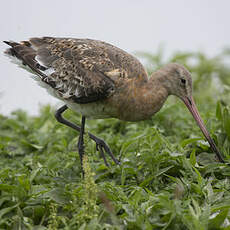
(168, 179)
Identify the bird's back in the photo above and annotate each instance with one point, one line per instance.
(79, 70)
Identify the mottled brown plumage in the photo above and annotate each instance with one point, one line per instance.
(100, 80)
(82, 69)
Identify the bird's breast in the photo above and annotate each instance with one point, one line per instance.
(137, 100)
(132, 101)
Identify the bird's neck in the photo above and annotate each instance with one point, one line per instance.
(154, 93)
(141, 98)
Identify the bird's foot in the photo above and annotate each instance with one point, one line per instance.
(103, 148)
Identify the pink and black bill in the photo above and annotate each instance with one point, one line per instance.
(189, 102)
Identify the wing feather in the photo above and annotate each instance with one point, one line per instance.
(82, 70)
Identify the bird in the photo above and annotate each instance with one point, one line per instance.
(99, 80)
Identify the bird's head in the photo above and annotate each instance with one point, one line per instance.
(178, 81)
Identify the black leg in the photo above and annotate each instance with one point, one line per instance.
(100, 144)
(81, 142)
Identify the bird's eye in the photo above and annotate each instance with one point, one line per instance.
(183, 81)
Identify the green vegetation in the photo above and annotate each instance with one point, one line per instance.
(168, 179)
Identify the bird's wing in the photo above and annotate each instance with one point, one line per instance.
(82, 70)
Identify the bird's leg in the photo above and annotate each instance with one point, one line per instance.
(100, 144)
(80, 143)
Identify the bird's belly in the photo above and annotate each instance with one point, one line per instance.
(95, 110)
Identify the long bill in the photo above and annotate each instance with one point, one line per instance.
(189, 102)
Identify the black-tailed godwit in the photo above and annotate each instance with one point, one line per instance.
(99, 80)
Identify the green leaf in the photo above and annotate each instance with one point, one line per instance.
(189, 141)
(218, 220)
(34, 174)
(226, 121)
(193, 158)
(8, 188)
(162, 171)
(57, 195)
(7, 210)
(218, 111)
(199, 177)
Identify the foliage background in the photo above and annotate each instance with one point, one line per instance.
(168, 179)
